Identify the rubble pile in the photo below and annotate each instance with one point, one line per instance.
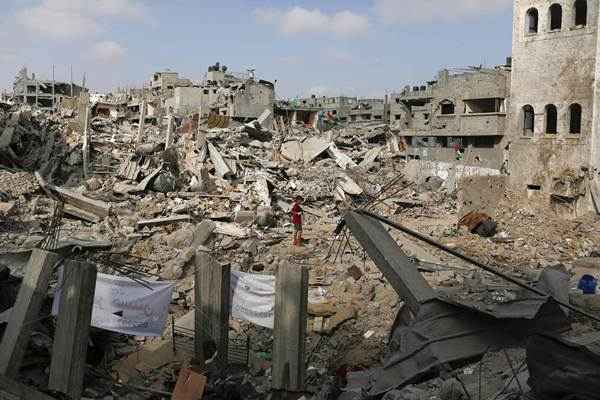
(153, 196)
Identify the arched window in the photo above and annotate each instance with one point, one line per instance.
(575, 118)
(555, 17)
(531, 21)
(580, 12)
(528, 120)
(551, 119)
(447, 107)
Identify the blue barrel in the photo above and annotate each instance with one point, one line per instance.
(588, 284)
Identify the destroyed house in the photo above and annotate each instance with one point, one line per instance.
(237, 95)
(338, 109)
(42, 93)
(167, 80)
(465, 111)
(553, 127)
(367, 110)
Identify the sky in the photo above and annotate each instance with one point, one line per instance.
(324, 47)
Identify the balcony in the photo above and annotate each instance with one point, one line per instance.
(486, 124)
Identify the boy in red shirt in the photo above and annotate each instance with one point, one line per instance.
(297, 220)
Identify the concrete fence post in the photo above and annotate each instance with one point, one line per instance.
(72, 328)
(212, 287)
(291, 292)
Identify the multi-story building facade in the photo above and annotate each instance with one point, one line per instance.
(554, 124)
(224, 93)
(42, 93)
(459, 115)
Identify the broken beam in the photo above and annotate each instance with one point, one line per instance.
(402, 274)
(72, 328)
(163, 221)
(484, 267)
(291, 302)
(212, 289)
(26, 310)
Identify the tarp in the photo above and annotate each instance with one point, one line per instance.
(125, 306)
(564, 368)
(253, 298)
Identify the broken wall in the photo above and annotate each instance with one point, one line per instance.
(253, 100)
(480, 193)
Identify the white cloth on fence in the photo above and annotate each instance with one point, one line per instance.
(125, 306)
(253, 298)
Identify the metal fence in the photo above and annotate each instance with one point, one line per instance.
(183, 342)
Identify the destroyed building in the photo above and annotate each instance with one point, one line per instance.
(44, 94)
(236, 95)
(462, 110)
(167, 80)
(148, 248)
(324, 112)
(553, 128)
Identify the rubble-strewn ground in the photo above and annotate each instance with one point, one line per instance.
(351, 306)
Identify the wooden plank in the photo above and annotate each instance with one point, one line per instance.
(291, 293)
(77, 200)
(190, 385)
(72, 328)
(163, 221)
(26, 310)
(13, 390)
(212, 293)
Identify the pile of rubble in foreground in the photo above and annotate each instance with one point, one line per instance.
(149, 201)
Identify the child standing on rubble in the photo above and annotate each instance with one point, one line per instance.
(297, 220)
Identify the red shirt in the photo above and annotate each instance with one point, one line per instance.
(296, 214)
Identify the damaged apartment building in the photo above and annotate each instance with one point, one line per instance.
(323, 112)
(236, 95)
(42, 93)
(554, 128)
(459, 115)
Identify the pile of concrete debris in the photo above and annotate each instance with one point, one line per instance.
(139, 201)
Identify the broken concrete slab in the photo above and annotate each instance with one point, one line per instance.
(313, 148)
(261, 187)
(292, 151)
(340, 158)
(347, 184)
(222, 168)
(77, 200)
(231, 229)
(370, 157)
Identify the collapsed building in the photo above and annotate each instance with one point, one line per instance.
(42, 93)
(324, 112)
(167, 246)
(236, 95)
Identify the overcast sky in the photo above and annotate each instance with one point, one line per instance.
(352, 47)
